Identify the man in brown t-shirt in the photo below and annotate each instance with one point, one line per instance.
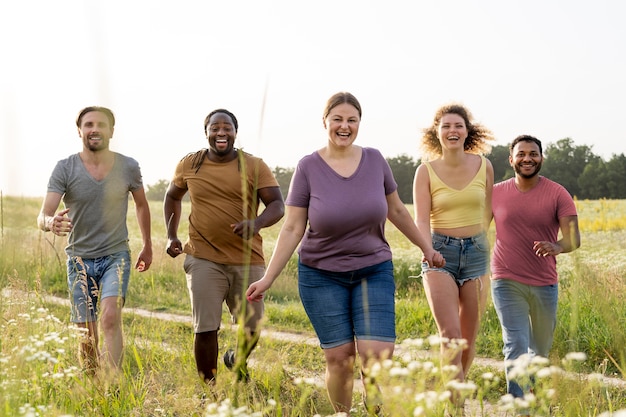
(224, 251)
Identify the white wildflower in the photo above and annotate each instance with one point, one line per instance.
(576, 356)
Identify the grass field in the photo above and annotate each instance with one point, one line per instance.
(39, 373)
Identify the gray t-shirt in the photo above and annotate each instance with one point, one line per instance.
(346, 215)
(97, 208)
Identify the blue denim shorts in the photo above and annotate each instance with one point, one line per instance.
(343, 306)
(466, 258)
(95, 278)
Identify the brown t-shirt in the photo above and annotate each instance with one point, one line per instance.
(217, 200)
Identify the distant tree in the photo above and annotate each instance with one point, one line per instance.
(403, 168)
(581, 172)
(593, 180)
(564, 163)
(616, 177)
(156, 192)
(499, 158)
(283, 176)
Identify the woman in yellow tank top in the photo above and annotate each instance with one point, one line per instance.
(452, 200)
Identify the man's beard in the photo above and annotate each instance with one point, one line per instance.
(518, 171)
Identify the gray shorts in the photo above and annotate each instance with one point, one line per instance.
(210, 284)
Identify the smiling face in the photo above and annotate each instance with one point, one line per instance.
(342, 124)
(96, 131)
(452, 131)
(221, 134)
(526, 159)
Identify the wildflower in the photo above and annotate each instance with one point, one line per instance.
(435, 340)
(399, 371)
(467, 386)
(576, 356)
(619, 413)
(414, 366)
(539, 360)
(506, 402)
(419, 343)
(418, 411)
(488, 376)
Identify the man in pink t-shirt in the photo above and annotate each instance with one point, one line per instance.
(529, 211)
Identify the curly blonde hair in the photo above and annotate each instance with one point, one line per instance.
(478, 136)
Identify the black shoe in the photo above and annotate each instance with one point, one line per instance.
(229, 358)
(242, 369)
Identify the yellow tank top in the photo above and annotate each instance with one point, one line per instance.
(452, 208)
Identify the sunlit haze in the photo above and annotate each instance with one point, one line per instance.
(553, 69)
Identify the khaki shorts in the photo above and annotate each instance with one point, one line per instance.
(210, 284)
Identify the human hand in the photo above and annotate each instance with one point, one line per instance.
(245, 229)
(144, 260)
(60, 224)
(257, 289)
(543, 248)
(174, 247)
(438, 260)
(434, 259)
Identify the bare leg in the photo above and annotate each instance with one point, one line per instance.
(205, 350)
(443, 297)
(111, 323)
(473, 299)
(339, 376)
(88, 348)
(370, 352)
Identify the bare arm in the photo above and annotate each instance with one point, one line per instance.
(401, 218)
(288, 240)
(274, 211)
(422, 201)
(142, 210)
(172, 208)
(488, 193)
(569, 241)
(48, 221)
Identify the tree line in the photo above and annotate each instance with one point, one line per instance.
(584, 174)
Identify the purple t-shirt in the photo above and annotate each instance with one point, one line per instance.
(346, 215)
(521, 219)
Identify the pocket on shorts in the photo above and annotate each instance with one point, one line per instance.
(482, 243)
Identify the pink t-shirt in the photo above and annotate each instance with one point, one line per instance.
(521, 219)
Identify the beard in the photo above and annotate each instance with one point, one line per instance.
(519, 171)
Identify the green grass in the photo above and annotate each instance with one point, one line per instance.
(159, 368)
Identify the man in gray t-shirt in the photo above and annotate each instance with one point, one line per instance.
(94, 186)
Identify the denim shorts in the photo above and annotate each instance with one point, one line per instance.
(343, 306)
(466, 258)
(92, 279)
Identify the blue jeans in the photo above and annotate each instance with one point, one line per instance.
(527, 316)
(343, 306)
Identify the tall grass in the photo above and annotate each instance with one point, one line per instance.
(38, 348)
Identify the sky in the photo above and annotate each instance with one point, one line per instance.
(550, 68)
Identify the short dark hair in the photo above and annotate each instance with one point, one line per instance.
(108, 113)
(341, 98)
(526, 138)
(226, 112)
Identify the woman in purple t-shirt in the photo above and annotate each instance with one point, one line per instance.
(345, 193)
